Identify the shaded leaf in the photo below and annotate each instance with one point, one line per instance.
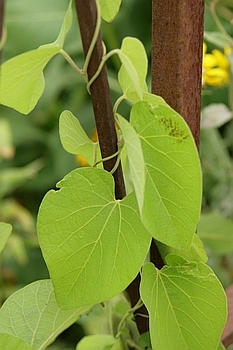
(96, 342)
(5, 231)
(219, 39)
(186, 304)
(33, 315)
(93, 244)
(216, 232)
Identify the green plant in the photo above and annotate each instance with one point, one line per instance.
(94, 242)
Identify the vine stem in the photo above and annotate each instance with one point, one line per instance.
(104, 117)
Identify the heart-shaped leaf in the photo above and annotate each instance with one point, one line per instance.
(93, 244)
(74, 139)
(171, 205)
(186, 304)
(109, 9)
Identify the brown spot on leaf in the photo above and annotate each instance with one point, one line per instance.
(173, 129)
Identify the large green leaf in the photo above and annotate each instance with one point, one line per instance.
(33, 315)
(5, 231)
(9, 342)
(93, 244)
(172, 197)
(186, 304)
(74, 139)
(132, 78)
(216, 232)
(109, 9)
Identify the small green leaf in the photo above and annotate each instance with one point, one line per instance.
(33, 315)
(219, 39)
(216, 232)
(74, 139)
(93, 244)
(186, 305)
(172, 196)
(9, 342)
(135, 157)
(132, 74)
(22, 80)
(5, 231)
(109, 9)
(96, 342)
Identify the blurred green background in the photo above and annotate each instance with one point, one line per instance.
(32, 159)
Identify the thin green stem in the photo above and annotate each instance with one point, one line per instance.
(94, 39)
(3, 38)
(117, 103)
(128, 313)
(72, 63)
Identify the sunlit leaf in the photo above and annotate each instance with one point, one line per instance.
(132, 74)
(186, 305)
(109, 9)
(5, 231)
(33, 315)
(172, 196)
(216, 232)
(22, 80)
(74, 139)
(93, 244)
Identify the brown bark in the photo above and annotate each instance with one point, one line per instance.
(177, 39)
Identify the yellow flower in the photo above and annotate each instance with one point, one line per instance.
(215, 68)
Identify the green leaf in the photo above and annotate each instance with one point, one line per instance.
(221, 347)
(216, 232)
(186, 305)
(195, 253)
(74, 139)
(109, 9)
(22, 80)
(93, 244)
(96, 342)
(172, 197)
(9, 342)
(135, 157)
(33, 315)
(132, 74)
(219, 39)
(66, 25)
(5, 231)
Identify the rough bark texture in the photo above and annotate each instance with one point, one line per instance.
(177, 38)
